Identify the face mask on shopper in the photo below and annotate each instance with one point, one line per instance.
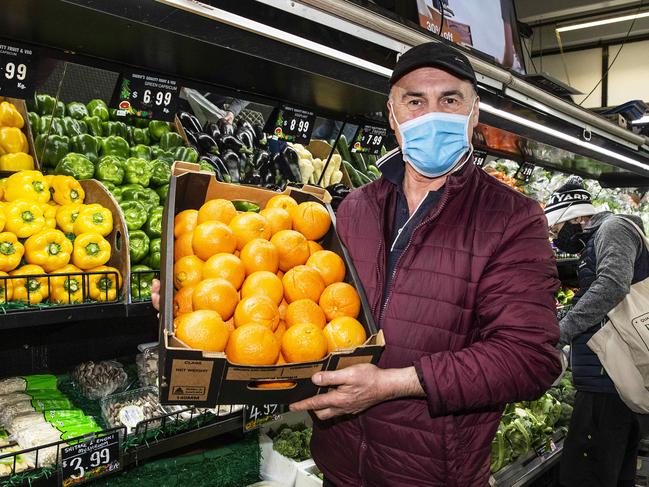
(434, 143)
(570, 238)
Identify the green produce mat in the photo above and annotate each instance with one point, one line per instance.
(235, 465)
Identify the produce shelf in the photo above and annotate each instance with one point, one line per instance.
(528, 469)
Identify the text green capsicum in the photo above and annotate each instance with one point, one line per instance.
(137, 171)
(94, 126)
(76, 110)
(86, 145)
(98, 108)
(50, 150)
(153, 260)
(134, 213)
(141, 151)
(76, 165)
(109, 169)
(153, 225)
(138, 245)
(160, 173)
(158, 128)
(115, 146)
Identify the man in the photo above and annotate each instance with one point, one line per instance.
(460, 277)
(602, 443)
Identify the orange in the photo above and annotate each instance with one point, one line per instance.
(280, 274)
(225, 266)
(329, 264)
(311, 219)
(283, 306)
(257, 309)
(283, 201)
(278, 218)
(203, 330)
(259, 255)
(314, 247)
(280, 384)
(230, 324)
(183, 246)
(340, 299)
(216, 294)
(187, 271)
(252, 344)
(305, 311)
(302, 282)
(183, 301)
(218, 210)
(249, 226)
(264, 283)
(344, 332)
(211, 238)
(184, 222)
(304, 343)
(279, 333)
(292, 248)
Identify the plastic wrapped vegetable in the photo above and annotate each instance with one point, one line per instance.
(76, 165)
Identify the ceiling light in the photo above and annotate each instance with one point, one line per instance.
(596, 23)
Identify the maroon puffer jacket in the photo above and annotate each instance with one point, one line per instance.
(472, 307)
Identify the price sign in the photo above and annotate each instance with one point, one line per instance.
(369, 139)
(524, 172)
(291, 124)
(17, 63)
(546, 450)
(255, 416)
(90, 460)
(146, 96)
(479, 158)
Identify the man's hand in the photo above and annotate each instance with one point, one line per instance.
(357, 388)
(155, 294)
(229, 117)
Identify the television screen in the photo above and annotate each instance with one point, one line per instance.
(488, 26)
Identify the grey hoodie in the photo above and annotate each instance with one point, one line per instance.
(617, 245)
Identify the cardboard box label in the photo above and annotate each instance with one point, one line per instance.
(285, 372)
(190, 380)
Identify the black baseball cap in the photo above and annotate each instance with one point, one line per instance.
(434, 55)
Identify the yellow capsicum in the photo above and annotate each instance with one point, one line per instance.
(6, 288)
(31, 290)
(49, 212)
(11, 251)
(49, 249)
(94, 218)
(90, 250)
(27, 185)
(16, 162)
(12, 140)
(103, 287)
(24, 218)
(67, 289)
(66, 215)
(10, 116)
(3, 218)
(67, 190)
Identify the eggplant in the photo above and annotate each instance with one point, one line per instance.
(245, 125)
(230, 142)
(215, 160)
(212, 129)
(259, 131)
(273, 187)
(252, 177)
(217, 169)
(192, 139)
(189, 122)
(225, 127)
(288, 164)
(231, 161)
(246, 137)
(206, 144)
(261, 160)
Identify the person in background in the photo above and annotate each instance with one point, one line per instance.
(460, 277)
(602, 444)
(234, 105)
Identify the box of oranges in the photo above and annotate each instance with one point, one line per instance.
(258, 294)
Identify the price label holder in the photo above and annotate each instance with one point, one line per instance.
(369, 139)
(91, 460)
(480, 158)
(546, 450)
(255, 416)
(17, 69)
(146, 95)
(291, 124)
(524, 172)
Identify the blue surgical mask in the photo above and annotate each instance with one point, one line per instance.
(434, 144)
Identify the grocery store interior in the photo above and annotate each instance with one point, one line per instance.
(208, 145)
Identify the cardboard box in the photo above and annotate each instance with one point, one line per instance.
(200, 378)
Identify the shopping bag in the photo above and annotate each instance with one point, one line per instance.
(631, 320)
(615, 356)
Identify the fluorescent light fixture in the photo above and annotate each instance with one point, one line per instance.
(644, 119)
(597, 23)
(560, 135)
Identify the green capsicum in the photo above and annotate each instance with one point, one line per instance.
(153, 260)
(117, 194)
(109, 169)
(153, 225)
(171, 140)
(163, 191)
(141, 282)
(141, 136)
(141, 151)
(115, 128)
(136, 192)
(34, 122)
(186, 154)
(158, 128)
(138, 245)
(74, 127)
(48, 105)
(109, 186)
(114, 146)
(94, 126)
(160, 173)
(206, 166)
(163, 155)
(86, 145)
(137, 171)
(141, 123)
(76, 165)
(51, 125)
(50, 150)
(76, 110)
(98, 108)
(135, 215)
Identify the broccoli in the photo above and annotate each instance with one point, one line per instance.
(288, 448)
(566, 413)
(293, 441)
